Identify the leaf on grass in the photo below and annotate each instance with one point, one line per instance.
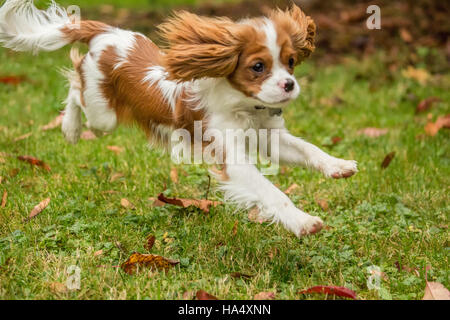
(150, 261)
(436, 291)
(265, 296)
(432, 128)
(117, 150)
(98, 253)
(239, 275)
(204, 205)
(12, 80)
(57, 287)
(387, 160)
(331, 290)
(4, 198)
(88, 135)
(127, 204)
(174, 175)
(35, 162)
(156, 202)
(39, 208)
(150, 242)
(203, 295)
(116, 176)
(292, 188)
(23, 137)
(55, 123)
(323, 204)
(426, 104)
(235, 228)
(254, 216)
(406, 35)
(373, 132)
(420, 75)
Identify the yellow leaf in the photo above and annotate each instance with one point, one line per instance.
(153, 262)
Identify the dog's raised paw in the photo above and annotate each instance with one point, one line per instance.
(314, 225)
(342, 169)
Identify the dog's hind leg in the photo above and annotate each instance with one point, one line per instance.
(72, 124)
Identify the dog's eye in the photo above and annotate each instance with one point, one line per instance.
(259, 67)
(291, 63)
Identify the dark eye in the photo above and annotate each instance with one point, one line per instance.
(291, 63)
(259, 67)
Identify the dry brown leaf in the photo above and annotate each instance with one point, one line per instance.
(265, 296)
(174, 175)
(436, 291)
(292, 188)
(426, 104)
(23, 137)
(156, 202)
(204, 205)
(57, 287)
(203, 295)
(98, 253)
(117, 150)
(387, 160)
(406, 35)
(420, 75)
(254, 216)
(150, 242)
(373, 132)
(127, 204)
(323, 204)
(39, 208)
(35, 162)
(88, 135)
(4, 198)
(55, 123)
(150, 261)
(235, 228)
(116, 176)
(432, 128)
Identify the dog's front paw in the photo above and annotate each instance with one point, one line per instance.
(313, 225)
(338, 168)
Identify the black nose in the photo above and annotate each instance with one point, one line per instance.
(289, 86)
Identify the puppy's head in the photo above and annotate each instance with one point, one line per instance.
(257, 56)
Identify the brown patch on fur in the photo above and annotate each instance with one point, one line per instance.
(136, 101)
(210, 45)
(85, 31)
(301, 28)
(77, 61)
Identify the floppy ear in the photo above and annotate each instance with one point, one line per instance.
(199, 47)
(301, 28)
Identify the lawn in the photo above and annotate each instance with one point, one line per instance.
(394, 218)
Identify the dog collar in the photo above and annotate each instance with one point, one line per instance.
(272, 112)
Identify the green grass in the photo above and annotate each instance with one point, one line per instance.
(379, 217)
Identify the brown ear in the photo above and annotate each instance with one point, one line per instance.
(301, 28)
(199, 47)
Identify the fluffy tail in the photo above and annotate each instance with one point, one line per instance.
(23, 27)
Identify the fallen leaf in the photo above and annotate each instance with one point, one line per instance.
(203, 295)
(204, 205)
(323, 204)
(117, 150)
(174, 175)
(12, 80)
(235, 228)
(254, 216)
(239, 275)
(156, 202)
(150, 242)
(388, 159)
(58, 287)
(55, 123)
(265, 296)
(39, 208)
(373, 132)
(432, 128)
(406, 35)
(98, 253)
(116, 176)
(127, 204)
(23, 137)
(420, 75)
(436, 291)
(35, 162)
(153, 262)
(331, 290)
(4, 198)
(426, 104)
(88, 135)
(292, 188)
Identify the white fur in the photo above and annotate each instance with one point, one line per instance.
(25, 28)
